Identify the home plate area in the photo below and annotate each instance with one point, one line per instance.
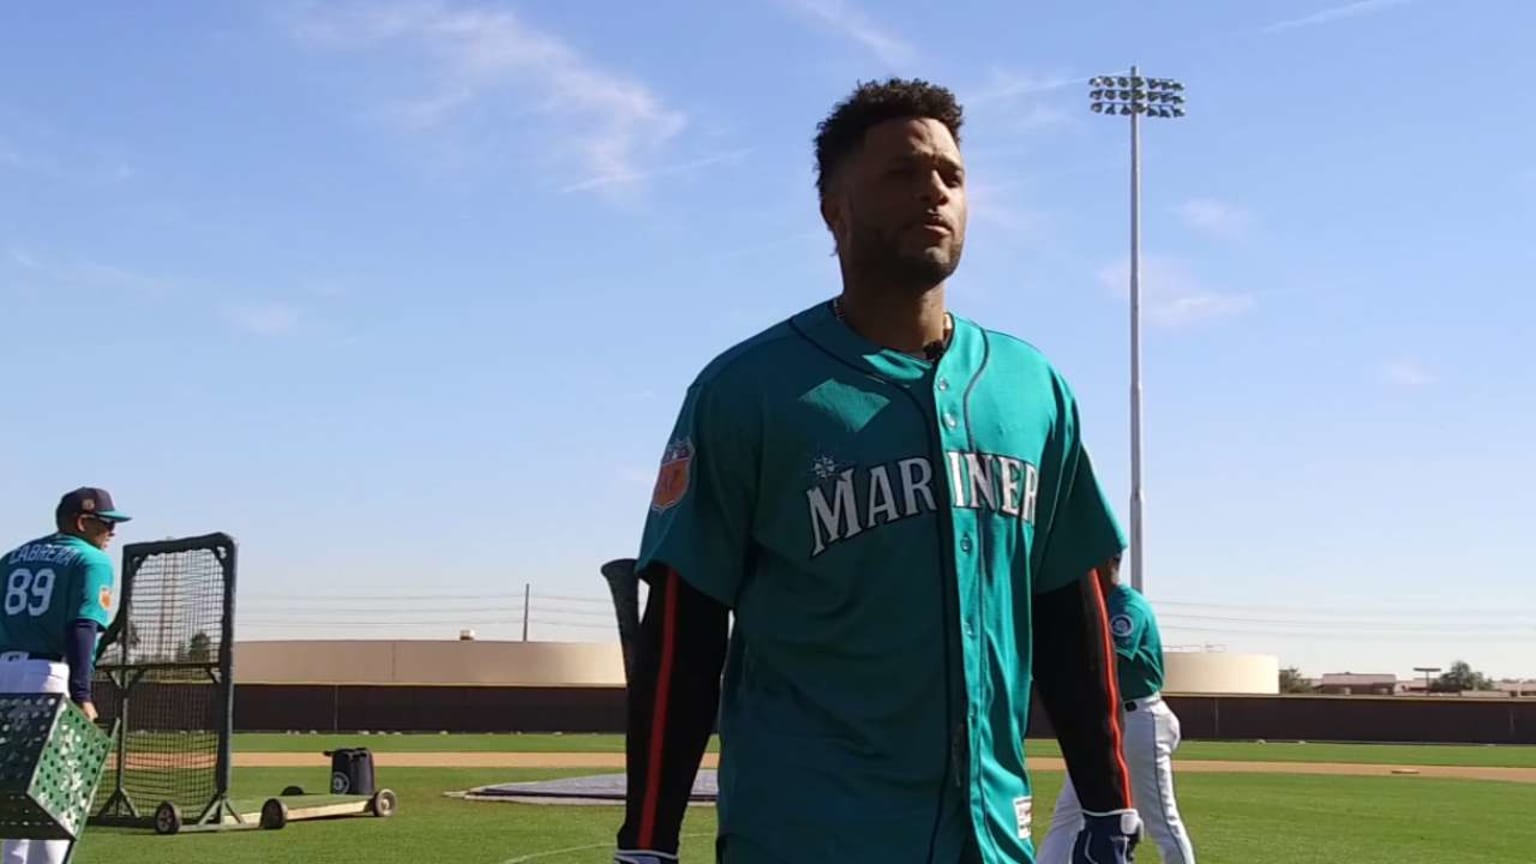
(596, 789)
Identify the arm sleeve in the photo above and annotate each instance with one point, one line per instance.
(80, 655)
(672, 707)
(1074, 668)
(694, 557)
(94, 601)
(1074, 654)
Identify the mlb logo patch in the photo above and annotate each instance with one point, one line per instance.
(675, 474)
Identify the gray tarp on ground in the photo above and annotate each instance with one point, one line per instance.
(592, 789)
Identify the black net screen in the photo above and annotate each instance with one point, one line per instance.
(165, 677)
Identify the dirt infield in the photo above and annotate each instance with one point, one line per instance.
(613, 761)
(168, 761)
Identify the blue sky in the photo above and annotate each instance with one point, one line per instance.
(405, 295)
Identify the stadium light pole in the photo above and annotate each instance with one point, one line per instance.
(1134, 96)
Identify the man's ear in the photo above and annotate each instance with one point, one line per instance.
(832, 217)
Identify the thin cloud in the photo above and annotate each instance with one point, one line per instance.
(1409, 373)
(1337, 13)
(1218, 218)
(64, 161)
(1022, 103)
(853, 23)
(732, 157)
(23, 259)
(991, 203)
(87, 277)
(265, 319)
(1007, 85)
(1172, 295)
(475, 54)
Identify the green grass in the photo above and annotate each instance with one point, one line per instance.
(1233, 819)
(1237, 751)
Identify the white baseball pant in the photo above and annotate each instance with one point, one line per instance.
(19, 674)
(1151, 737)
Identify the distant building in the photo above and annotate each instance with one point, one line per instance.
(1517, 688)
(1356, 684)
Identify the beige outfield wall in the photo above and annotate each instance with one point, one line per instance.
(1216, 672)
(528, 664)
(588, 664)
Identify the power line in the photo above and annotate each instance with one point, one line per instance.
(1377, 611)
(1483, 636)
(1362, 626)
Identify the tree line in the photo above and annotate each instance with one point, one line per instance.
(1459, 678)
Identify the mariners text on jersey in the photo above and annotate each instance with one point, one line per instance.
(846, 502)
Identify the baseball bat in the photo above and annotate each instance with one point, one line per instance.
(624, 586)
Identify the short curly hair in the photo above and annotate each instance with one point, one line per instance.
(871, 104)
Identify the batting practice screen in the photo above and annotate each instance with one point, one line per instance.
(164, 681)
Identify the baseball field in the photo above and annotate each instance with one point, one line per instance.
(1245, 803)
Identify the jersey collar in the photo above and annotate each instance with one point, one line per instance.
(819, 325)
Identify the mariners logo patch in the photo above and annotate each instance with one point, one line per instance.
(673, 478)
(1120, 625)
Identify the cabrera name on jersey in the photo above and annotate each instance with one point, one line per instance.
(48, 583)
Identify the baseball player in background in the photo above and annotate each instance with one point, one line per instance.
(896, 505)
(1151, 732)
(58, 598)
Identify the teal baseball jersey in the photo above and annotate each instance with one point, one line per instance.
(878, 524)
(48, 584)
(1138, 645)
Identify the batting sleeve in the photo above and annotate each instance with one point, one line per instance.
(1074, 670)
(80, 656)
(673, 703)
(92, 598)
(700, 519)
(1080, 531)
(693, 555)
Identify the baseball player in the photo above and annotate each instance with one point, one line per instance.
(1151, 732)
(896, 506)
(58, 598)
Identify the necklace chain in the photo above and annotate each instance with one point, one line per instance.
(837, 312)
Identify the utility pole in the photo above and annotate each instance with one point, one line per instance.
(527, 596)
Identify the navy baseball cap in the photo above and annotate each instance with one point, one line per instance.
(89, 501)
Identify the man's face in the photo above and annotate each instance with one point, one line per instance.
(96, 531)
(898, 207)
